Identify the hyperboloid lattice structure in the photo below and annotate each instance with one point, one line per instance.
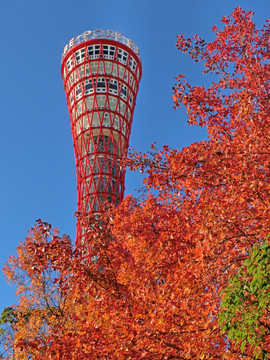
(101, 70)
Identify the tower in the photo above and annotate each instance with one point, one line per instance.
(101, 71)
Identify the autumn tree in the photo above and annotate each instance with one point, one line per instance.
(42, 275)
(8, 318)
(162, 261)
(245, 306)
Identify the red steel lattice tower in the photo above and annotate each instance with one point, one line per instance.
(101, 70)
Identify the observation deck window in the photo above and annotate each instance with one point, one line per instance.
(69, 63)
(122, 56)
(131, 80)
(88, 87)
(93, 51)
(132, 64)
(105, 51)
(108, 51)
(124, 92)
(78, 92)
(80, 55)
(112, 85)
(101, 87)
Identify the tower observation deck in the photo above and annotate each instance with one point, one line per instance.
(101, 71)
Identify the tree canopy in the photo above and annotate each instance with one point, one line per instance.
(164, 260)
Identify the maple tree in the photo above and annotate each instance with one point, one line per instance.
(162, 261)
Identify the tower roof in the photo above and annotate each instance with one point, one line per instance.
(101, 34)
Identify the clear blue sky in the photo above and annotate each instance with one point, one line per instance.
(38, 178)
